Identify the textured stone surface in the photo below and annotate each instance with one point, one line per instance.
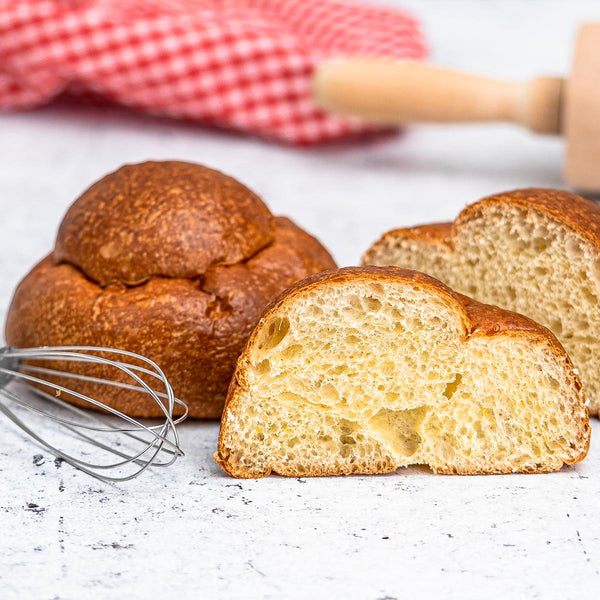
(192, 532)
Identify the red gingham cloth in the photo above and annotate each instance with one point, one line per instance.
(240, 64)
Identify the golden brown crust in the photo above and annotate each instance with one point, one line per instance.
(580, 214)
(432, 233)
(170, 219)
(478, 320)
(193, 328)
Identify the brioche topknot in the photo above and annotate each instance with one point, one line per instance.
(171, 260)
(162, 219)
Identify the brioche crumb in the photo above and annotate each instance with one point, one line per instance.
(363, 377)
(519, 259)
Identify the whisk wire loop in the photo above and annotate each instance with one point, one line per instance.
(155, 440)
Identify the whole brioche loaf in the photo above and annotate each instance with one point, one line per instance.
(534, 251)
(170, 260)
(364, 370)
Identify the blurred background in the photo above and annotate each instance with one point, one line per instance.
(346, 193)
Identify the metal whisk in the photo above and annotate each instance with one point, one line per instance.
(136, 446)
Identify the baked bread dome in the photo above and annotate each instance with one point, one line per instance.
(170, 260)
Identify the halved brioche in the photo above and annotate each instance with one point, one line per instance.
(533, 251)
(364, 370)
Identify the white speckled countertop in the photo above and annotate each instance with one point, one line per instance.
(192, 532)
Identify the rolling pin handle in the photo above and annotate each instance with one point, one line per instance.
(394, 92)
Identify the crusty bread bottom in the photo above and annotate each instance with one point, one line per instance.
(520, 259)
(368, 374)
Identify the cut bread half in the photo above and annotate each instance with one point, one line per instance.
(533, 251)
(364, 370)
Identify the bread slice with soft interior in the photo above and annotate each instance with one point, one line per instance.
(533, 251)
(364, 370)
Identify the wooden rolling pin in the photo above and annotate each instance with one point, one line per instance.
(393, 92)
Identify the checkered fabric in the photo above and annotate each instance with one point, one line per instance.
(240, 64)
